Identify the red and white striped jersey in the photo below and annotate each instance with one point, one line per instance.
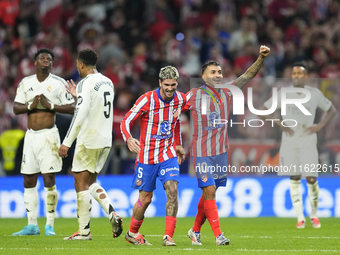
(158, 121)
(208, 138)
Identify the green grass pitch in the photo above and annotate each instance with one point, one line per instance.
(247, 236)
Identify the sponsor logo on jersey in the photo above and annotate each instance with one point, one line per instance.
(162, 172)
(165, 127)
(68, 96)
(212, 116)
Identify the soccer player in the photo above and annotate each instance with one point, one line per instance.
(92, 126)
(160, 111)
(209, 144)
(40, 96)
(299, 143)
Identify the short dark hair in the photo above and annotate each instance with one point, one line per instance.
(209, 63)
(300, 64)
(43, 50)
(88, 56)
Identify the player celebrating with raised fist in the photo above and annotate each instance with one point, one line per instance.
(209, 144)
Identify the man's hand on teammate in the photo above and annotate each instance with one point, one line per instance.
(63, 151)
(264, 51)
(71, 88)
(133, 145)
(180, 154)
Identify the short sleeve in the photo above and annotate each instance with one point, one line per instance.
(20, 96)
(323, 102)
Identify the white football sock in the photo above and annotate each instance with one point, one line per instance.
(84, 206)
(313, 194)
(31, 202)
(102, 198)
(296, 196)
(51, 204)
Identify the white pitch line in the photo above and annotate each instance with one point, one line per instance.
(272, 250)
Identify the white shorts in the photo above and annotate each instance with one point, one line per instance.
(40, 153)
(91, 160)
(299, 162)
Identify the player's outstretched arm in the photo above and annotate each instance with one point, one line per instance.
(253, 69)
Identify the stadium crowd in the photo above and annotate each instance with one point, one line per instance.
(135, 38)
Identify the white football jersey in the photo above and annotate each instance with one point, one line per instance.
(301, 137)
(93, 116)
(53, 88)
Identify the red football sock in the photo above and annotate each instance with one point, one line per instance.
(200, 216)
(135, 225)
(170, 225)
(211, 212)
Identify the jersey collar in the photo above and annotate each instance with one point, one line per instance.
(160, 97)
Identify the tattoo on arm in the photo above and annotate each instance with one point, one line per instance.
(250, 73)
(171, 206)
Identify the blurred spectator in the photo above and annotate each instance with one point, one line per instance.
(95, 11)
(9, 142)
(239, 38)
(246, 59)
(111, 48)
(123, 104)
(158, 28)
(9, 10)
(5, 119)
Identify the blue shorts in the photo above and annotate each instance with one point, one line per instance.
(211, 170)
(145, 175)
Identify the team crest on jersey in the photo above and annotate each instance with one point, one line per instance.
(176, 113)
(139, 182)
(49, 88)
(165, 127)
(204, 178)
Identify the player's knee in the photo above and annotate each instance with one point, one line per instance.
(146, 201)
(311, 180)
(30, 181)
